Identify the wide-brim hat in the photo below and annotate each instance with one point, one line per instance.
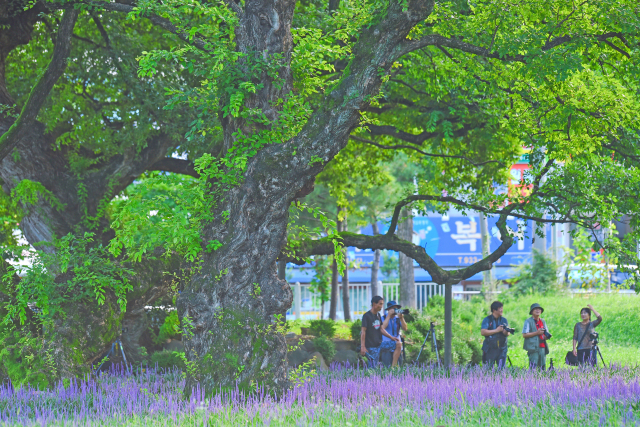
(536, 305)
(393, 304)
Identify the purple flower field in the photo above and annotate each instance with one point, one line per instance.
(344, 397)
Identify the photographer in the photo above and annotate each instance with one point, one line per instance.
(494, 329)
(372, 332)
(582, 331)
(536, 336)
(392, 323)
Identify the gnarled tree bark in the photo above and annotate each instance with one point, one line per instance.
(230, 321)
(88, 329)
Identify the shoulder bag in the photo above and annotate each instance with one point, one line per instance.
(570, 359)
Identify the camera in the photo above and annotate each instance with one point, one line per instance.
(508, 329)
(547, 335)
(594, 337)
(402, 311)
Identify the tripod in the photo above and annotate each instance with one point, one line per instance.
(114, 346)
(596, 350)
(432, 333)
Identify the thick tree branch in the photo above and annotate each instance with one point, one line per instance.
(41, 90)
(441, 41)
(159, 21)
(392, 242)
(417, 139)
(388, 130)
(411, 147)
(510, 210)
(171, 164)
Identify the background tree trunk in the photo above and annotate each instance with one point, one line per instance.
(333, 304)
(407, 282)
(335, 283)
(375, 266)
(346, 307)
(488, 284)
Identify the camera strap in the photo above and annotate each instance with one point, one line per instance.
(491, 325)
(583, 335)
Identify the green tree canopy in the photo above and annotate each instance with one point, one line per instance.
(259, 97)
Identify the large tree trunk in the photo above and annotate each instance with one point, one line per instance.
(81, 336)
(87, 329)
(375, 266)
(407, 282)
(232, 303)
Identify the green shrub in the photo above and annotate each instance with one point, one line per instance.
(539, 277)
(322, 328)
(476, 351)
(325, 347)
(169, 329)
(356, 329)
(168, 359)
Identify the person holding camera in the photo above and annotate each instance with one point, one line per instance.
(391, 323)
(583, 333)
(495, 330)
(372, 331)
(536, 336)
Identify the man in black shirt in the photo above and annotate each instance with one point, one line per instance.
(371, 333)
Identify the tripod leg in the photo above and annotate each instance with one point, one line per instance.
(404, 356)
(435, 346)
(422, 348)
(598, 350)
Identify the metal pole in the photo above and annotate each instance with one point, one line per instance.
(448, 334)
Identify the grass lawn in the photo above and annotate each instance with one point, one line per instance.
(619, 330)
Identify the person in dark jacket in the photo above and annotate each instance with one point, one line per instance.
(494, 347)
(584, 350)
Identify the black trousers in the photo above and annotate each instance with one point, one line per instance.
(493, 357)
(587, 356)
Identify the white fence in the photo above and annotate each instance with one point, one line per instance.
(359, 299)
